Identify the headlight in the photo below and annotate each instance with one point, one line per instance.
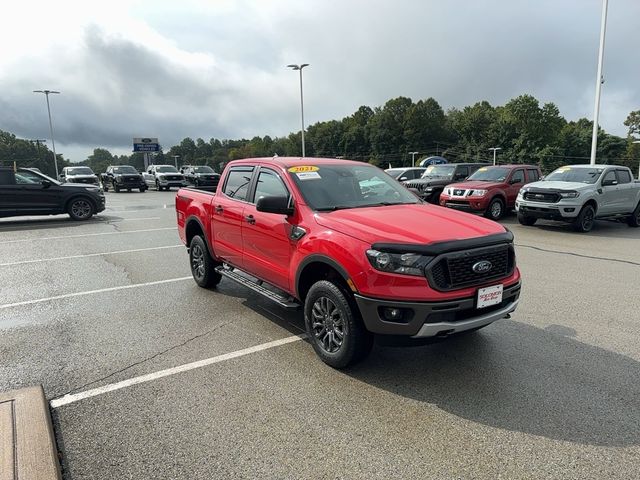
(428, 189)
(92, 189)
(478, 193)
(447, 191)
(569, 194)
(404, 263)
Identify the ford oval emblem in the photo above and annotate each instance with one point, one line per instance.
(482, 266)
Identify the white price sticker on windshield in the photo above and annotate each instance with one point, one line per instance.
(308, 175)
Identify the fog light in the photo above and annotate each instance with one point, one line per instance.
(569, 210)
(393, 314)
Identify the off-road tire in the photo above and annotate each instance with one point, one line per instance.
(526, 220)
(356, 341)
(202, 264)
(585, 219)
(634, 219)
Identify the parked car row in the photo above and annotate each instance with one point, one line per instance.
(577, 194)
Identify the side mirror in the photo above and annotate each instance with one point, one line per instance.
(402, 179)
(274, 204)
(608, 183)
(45, 183)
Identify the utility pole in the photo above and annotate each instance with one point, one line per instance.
(413, 158)
(53, 143)
(599, 82)
(637, 141)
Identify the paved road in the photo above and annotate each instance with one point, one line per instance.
(552, 393)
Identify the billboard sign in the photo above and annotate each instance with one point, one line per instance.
(146, 145)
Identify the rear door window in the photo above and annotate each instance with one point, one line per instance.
(533, 175)
(236, 185)
(623, 176)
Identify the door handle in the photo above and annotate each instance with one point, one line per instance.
(251, 219)
(219, 209)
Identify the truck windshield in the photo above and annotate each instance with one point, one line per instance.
(80, 171)
(203, 170)
(124, 169)
(334, 187)
(490, 174)
(572, 174)
(434, 171)
(166, 169)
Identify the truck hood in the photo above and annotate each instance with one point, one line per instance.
(477, 185)
(421, 224)
(555, 185)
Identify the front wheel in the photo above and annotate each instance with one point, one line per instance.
(80, 209)
(116, 188)
(585, 220)
(526, 220)
(334, 326)
(495, 211)
(202, 265)
(634, 219)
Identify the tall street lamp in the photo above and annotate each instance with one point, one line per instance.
(53, 143)
(495, 149)
(175, 159)
(413, 158)
(299, 68)
(599, 82)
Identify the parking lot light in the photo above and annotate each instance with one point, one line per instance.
(53, 143)
(413, 158)
(495, 149)
(299, 68)
(638, 141)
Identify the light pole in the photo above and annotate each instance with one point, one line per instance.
(53, 143)
(175, 159)
(413, 158)
(495, 149)
(299, 68)
(637, 141)
(599, 82)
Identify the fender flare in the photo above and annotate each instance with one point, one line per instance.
(319, 258)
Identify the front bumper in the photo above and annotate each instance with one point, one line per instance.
(431, 319)
(473, 205)
(172, 183)
(548, 211)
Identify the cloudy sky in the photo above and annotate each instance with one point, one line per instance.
(216, 68)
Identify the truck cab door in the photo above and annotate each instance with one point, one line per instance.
(266, 236)
(609, 199)
(515, 183)
(227, 210)
(626, 191)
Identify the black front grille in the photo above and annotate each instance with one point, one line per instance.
(172, 177)
(131, 179)
(458, 192)
(84, 180)
(416, 185)
(545, 197)
(455, 270)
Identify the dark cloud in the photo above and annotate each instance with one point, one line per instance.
(220, 72)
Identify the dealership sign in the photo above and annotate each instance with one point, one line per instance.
(146, 145)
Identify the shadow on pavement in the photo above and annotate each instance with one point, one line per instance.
(602, 228)
(517, 377)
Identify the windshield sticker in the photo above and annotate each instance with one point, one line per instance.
(483, 169)
(428, 170)
(308, 175)
(563, 169)
(304, 168)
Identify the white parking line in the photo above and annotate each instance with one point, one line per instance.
(87, 235)
(22, 262)
(91, 292)
(67, 399)
(137, 218)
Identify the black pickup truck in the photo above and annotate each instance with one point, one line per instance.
(27, 192)
(122, 177)
(436, 177)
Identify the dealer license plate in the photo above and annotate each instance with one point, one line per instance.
(490, 296)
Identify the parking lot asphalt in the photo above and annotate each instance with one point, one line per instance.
(554, 392)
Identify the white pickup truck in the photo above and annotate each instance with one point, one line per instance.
(580, 194)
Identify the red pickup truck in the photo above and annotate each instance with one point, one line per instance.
(359, 252)
(490, 190)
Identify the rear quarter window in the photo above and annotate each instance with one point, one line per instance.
(236, 185)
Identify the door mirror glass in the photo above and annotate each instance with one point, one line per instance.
(46, 183)
(274, 204)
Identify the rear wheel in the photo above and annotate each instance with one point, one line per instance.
(202, 265)
(495, 210)
(334, 326)
(585, 220)
(80, 209)
(526, 220)
(634, 219)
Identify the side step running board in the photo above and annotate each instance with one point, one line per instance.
(257, 286)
